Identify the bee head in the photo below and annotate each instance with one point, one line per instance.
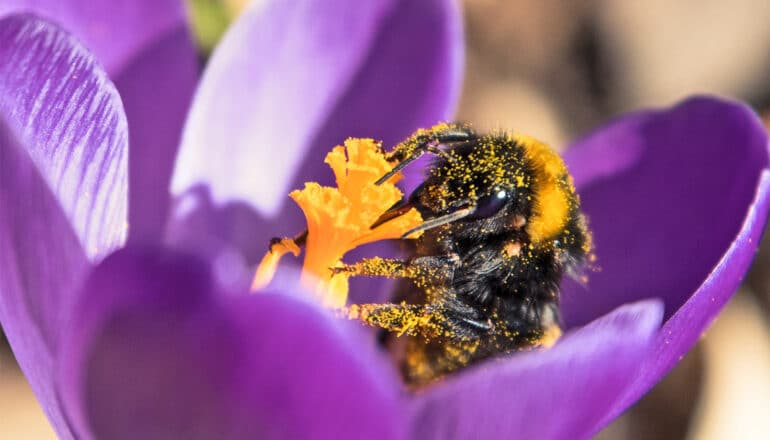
(483, 182)
(496, 184)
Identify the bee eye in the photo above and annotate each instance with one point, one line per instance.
(490, 204)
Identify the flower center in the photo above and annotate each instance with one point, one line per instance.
(340, 219)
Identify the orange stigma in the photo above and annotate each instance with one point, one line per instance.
(339, 219)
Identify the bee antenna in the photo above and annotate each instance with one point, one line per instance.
(430, 146)
(401, 165)
(438, 221)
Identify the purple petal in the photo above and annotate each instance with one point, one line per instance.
(115, 31)
(665, 192)
(157, 352)
(34, 272)
(290, 80)
(156, 87)
(63, 186)
(69, 117)
(417, 57)
(147, 50)
(686, 326)
(560, 393)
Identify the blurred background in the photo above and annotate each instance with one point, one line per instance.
(556, 69)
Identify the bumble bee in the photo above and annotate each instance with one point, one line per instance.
(502, 225)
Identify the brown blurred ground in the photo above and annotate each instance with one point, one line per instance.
(20, 415)
(555, 69)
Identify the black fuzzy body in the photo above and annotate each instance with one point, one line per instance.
(486, 298)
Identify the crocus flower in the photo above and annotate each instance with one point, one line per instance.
(159, 339)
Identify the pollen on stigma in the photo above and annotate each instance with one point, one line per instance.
(339, 219)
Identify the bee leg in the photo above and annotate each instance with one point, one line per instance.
(425, 141)
(430, 268)
(427, 321)
(376, 267)
(399, 318)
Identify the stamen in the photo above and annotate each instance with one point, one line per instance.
(269, 264)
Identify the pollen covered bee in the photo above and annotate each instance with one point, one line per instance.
(491, 231)
(501, 226)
